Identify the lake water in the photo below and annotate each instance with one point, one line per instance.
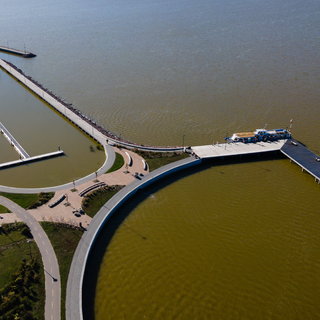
(237, 241)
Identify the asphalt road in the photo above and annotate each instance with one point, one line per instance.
(49, 259)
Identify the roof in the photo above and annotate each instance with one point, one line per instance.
(245, 134)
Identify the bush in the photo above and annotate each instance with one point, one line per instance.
(43, 198)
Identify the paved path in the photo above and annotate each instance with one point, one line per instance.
(49, 259)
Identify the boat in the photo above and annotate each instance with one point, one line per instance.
(260, 135)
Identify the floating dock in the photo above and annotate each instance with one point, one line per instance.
(24, 156)
(18, 52)
(31, 159)
(23, 153)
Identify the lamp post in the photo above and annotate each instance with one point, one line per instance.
(183, 139)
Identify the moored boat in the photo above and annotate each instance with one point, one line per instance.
(260, 135)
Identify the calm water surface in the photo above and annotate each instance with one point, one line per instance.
(230, 242)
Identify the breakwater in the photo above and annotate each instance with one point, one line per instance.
(82, 121)
(18, 52)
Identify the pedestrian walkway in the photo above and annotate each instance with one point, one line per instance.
(49, 259)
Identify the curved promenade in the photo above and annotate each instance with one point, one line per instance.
(49, 259)
(78, 265)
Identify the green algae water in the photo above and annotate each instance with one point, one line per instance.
(231, 242)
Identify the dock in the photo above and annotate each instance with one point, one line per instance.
(24, 156)
(23, 153)
(18, 52)
(291, 148)
(236, 149)
(19, 162)
(303, 157)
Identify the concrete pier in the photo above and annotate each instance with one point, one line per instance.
(303, 157)
(18, 52)
(294, 150)
(236, 148)
(23, 153)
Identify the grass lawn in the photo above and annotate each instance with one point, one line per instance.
(4, 209)
(94, 200)
(64, 241)
(28, 200)
(118, 163)
(14, 247)
(156, 160)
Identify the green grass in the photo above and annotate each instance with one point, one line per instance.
(28, 201)
(156, 160)
(4, 209)
(118, 163)
(94, 200)
(21, 275)
(64, 240)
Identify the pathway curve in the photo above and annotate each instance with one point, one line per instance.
(49, 259)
